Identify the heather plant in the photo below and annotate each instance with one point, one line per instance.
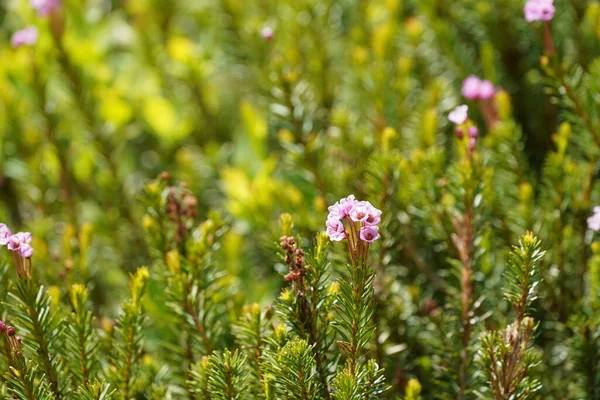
(299, 199)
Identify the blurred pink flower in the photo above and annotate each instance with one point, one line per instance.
(45, 7)
(267, 33)
(473, 132)
(486, 90)
(472, 143)
(474, 88)
(459, 114)
(539, 10)
(25, 250)
(470, 87)
(5, 234)
(24, 37)
(594, 221)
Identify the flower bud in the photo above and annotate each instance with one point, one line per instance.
(2, 327)
(473, 132)
(11, 331)
(472, 143)
(267, 33)
(459, 133)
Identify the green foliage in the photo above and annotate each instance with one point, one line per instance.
(94, 391)
(33, 313)
(507, 356)
(227, 377)
(294, 372)
(81, 341)
(127, 344)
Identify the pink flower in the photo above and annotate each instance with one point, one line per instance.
(470, 87)
(373, 217)
(486, 90)
(459, 115)
(25, 250)
(335, 230)
(360, 211)
(342, 208)
(473, 132)
(539, 10)
(24, 37)
(594, 221)
(267, 33)
(21, 242)
(369, 234)
(472, 143)
(45, 7)
(5, 234)
(474, 88)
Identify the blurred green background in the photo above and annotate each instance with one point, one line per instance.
(115, 92)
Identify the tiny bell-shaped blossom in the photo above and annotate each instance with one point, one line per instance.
(373, 216)
(470, 87)
(369, 234)
(25, 250)
(24, 37)
(539, 10)
(336, 230)
(267, 33)
(360, 211)
(5, 234)
(45, 7)
(473, 132)
(459, 133)
(21, 242)
(342, 208)
(2, 327)
(459, 115)
(594, 221)
(11, 331)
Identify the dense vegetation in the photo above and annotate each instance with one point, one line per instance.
(299, 199)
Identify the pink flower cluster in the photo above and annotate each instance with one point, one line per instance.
(594, 221)
(362, 219)
(474, 88)
(539, 10)
(19, 242)
(45, 7)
